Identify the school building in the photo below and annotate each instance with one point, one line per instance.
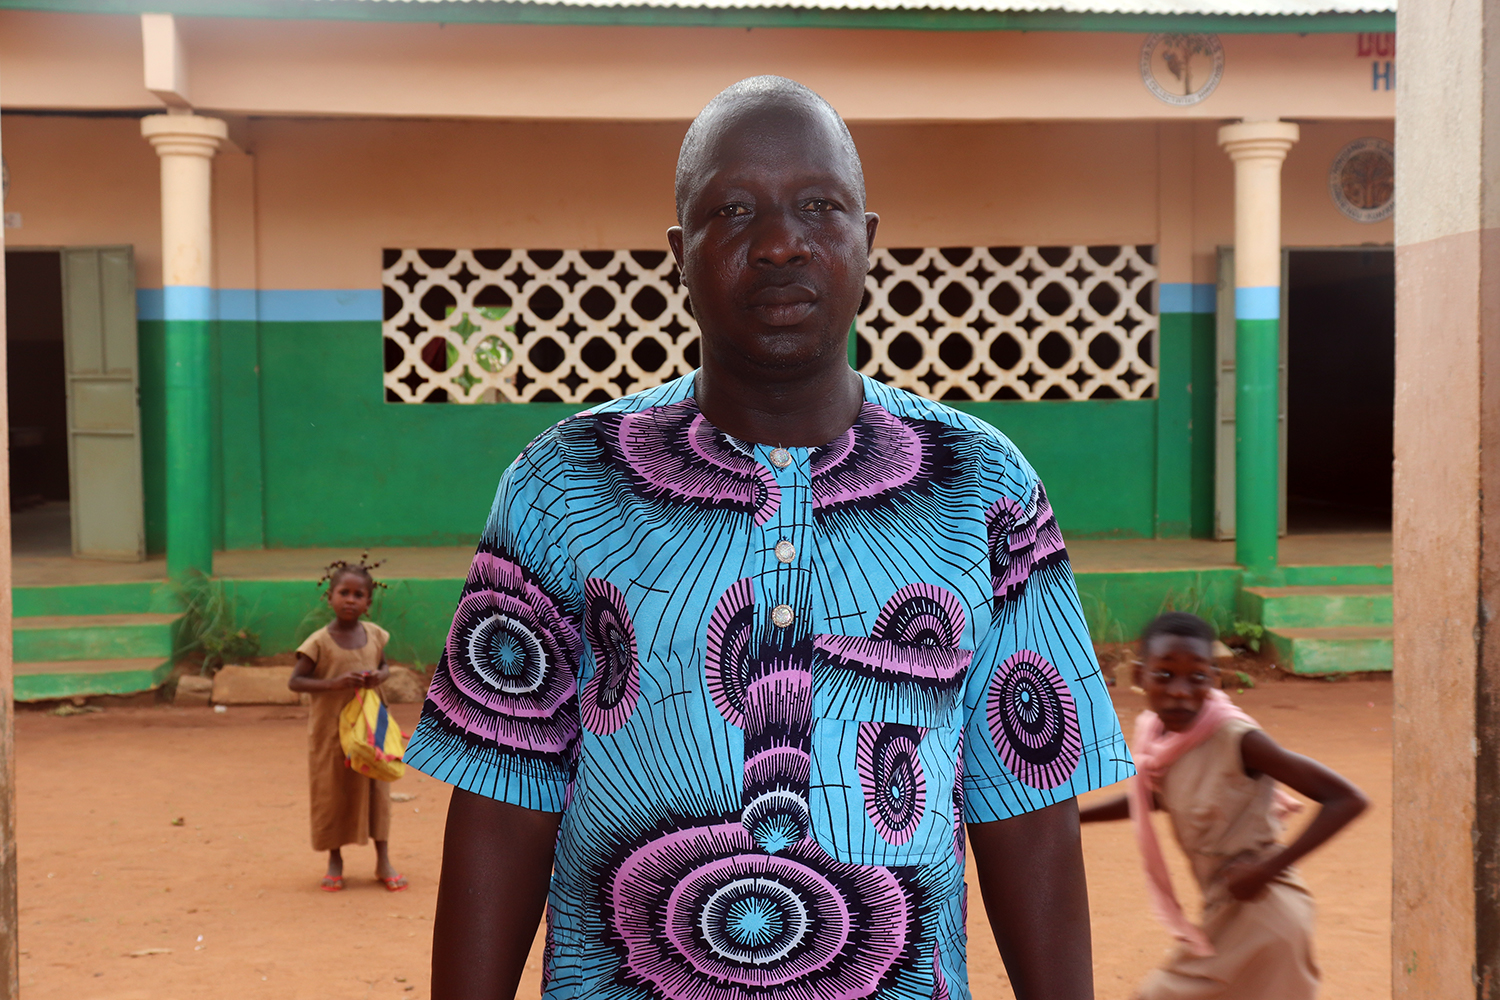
(295, 278)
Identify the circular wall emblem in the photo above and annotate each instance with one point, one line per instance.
(1181, 68)
(1362, 180)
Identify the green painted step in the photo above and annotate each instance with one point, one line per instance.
(71, 678)
(53, 638)
(1332, 576)
(1316, 607)
(134, 598)
(1335, 650)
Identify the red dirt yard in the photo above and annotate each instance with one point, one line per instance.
(119, 902)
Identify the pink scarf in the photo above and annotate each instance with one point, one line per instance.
(1155, 750)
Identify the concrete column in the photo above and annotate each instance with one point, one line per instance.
(1257, 149)
(186, 145)
(10, 968)
(1445, 811)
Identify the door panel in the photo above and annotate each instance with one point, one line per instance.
(104, 423)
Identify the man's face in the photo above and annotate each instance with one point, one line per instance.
(774, 242)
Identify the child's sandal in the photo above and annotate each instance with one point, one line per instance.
(332, 883)
(394, 883)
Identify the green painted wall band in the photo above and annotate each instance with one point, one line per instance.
(737, 17)
(336, 465)
(1174, 426)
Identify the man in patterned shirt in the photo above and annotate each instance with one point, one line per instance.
(741, 657)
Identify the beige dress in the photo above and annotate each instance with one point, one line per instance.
(1263, 947)
(347, 807)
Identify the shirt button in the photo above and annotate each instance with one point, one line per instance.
(786, 551)
(781, 458)
(781, 616)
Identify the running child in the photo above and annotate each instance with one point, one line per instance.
(335, 661)
(1214, 771)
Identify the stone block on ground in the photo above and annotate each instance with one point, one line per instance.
(234, 685)
(404, 686)
(193, 690)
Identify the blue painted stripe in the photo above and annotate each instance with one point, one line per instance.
(1182, 297)
(187, 302)
(238, 304)
(1263, 302)
(319, 306)
(273, 305)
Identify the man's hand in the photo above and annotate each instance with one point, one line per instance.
(1031, 878)
(497, 865)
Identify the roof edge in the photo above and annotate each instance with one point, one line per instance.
(540, 13)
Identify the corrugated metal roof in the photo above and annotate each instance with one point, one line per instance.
(1211, 8)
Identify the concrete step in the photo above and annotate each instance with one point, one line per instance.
(1335, 650)
(1316, 607)
(54, 638)
(71, 678)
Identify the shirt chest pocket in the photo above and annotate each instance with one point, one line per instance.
(881, 793)
(886, 732)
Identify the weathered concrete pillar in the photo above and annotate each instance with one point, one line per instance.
(1257, 149)
(10, 955)
(1446, 803)
(186, 145)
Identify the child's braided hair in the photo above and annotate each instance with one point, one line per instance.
(339, 567)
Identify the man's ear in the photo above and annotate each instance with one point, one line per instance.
(674, 240)
(871, 222)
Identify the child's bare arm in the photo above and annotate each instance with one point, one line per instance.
(1106, 811)
(303, 680)
(1340, 802)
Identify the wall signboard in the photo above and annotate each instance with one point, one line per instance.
(1362, 180)
(1181, 68)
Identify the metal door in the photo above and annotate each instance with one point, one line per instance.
(1224, 426)
(104, 416)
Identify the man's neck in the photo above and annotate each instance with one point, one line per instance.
(804, 411)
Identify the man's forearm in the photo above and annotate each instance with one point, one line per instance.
(1032, 880)
(497, 864)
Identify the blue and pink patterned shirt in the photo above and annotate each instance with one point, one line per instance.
(766, 687)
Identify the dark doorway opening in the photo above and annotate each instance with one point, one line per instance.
(1341, 386)
(36, 383)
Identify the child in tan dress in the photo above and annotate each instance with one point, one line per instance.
(1214, 771)
(336, 661)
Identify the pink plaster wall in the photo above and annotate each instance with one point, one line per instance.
(84, 182)
(317, 199)
(1309, 217)
(338, 67)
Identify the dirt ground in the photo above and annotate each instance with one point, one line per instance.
(163, 856)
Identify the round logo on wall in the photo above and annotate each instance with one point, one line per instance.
(1181, 68)
(1362, 180)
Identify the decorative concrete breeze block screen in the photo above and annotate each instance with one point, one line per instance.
(587, 325)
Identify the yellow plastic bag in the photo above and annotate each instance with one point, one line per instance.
(371, 740)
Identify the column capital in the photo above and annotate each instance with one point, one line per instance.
(184, 135)
(1259, 140)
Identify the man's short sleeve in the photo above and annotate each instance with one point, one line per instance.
(502, 717)
(1040, 727)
